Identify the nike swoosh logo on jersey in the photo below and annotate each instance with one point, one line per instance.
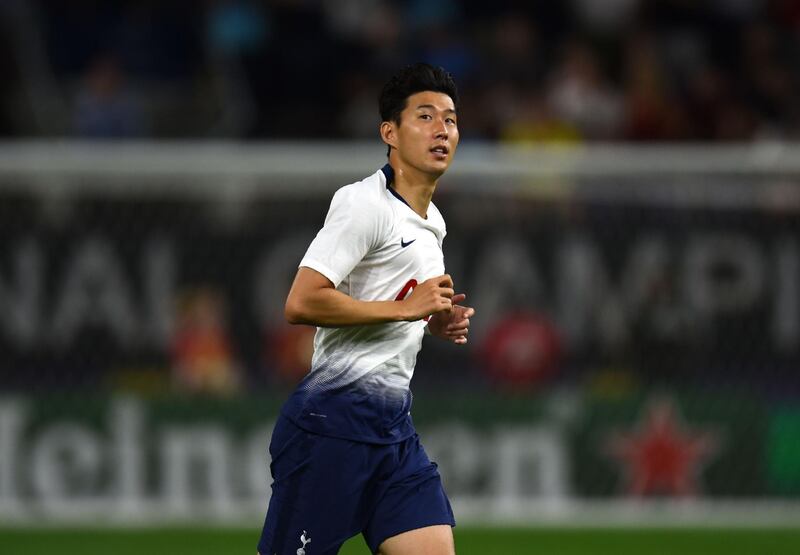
(404, 244)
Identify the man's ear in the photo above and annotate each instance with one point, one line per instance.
(389, 133)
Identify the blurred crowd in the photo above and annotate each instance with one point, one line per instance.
(529, 71)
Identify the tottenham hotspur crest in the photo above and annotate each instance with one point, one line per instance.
(303, 539)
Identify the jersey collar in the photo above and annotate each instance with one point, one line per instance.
(388, 172)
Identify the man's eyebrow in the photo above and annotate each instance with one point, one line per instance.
(432, 107)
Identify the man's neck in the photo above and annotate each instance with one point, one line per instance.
(414, 186)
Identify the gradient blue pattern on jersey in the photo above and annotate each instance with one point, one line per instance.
(371, 247)
(358, 411)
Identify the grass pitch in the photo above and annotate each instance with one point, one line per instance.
(469, 541)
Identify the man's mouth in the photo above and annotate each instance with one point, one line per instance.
(441, 150)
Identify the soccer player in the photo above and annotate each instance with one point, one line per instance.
(345, 455)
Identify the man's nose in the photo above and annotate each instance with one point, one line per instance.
(441, 131)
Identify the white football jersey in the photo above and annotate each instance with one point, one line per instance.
(373, 247)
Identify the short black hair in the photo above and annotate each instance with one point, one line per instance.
(410, 80)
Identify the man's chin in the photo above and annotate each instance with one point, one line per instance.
(437, 169)
(431, 168)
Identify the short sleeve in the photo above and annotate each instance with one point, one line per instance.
(352, 227)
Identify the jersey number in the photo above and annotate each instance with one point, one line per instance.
(410, 284)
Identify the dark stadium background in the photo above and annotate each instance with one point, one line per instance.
(622, 212)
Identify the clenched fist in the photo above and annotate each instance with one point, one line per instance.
(453, 324)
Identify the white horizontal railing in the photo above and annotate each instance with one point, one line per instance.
(688, 172)
(191, 159)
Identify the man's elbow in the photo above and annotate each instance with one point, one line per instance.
(293, 311)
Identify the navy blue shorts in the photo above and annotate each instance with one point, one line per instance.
(326, 490)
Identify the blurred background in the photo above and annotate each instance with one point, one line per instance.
(623, 212)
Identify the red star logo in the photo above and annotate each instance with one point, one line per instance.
(661, 456)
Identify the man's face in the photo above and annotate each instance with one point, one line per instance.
(427, 136)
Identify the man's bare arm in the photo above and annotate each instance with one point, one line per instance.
(315, 301)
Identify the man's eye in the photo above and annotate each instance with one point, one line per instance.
(451, 120)
(425, 116)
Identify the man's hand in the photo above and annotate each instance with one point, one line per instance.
(453, 324)
(429, 297)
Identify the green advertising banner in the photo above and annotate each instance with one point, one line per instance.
(65, 457)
